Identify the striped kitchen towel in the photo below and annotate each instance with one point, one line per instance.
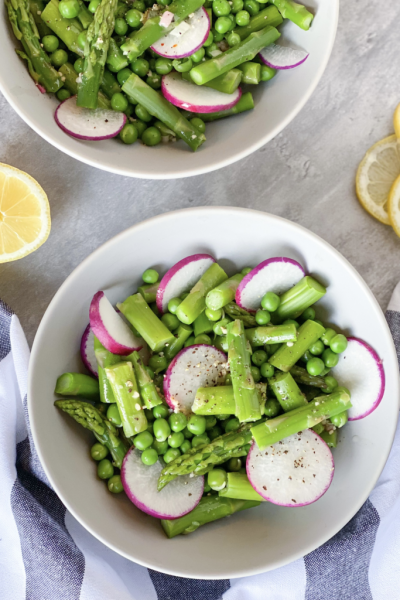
(45, 554)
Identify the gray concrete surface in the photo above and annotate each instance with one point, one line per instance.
(306, 174)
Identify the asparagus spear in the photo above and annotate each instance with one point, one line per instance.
(220, 400)
(267, 16)
(245, 103)
(239, 487)
(149, 326)
(25, 30)
(210, 508)
(89, 417)
(116, 61)
(37, 7)
(235, 56)
(287, 356)
(194, 304)
(294, 12)
(159, 107)
(85, 16)
(244, 388)
(183, 333)
(153, 31)
(104, 359)
(203, 458)
(123, 382)
(149, 291)
(69, 77)
(147, 388)
(224, 293)
(66, 29)
(272, 334)
(96, 49)
(302, 376)
(235, 312)
(77, 384)
(251, 73)
(330, 437)
(287, 391)
(202, 324)
(273, 430)
(226, 83)
(298, 298)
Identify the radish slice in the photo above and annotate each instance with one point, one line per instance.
(110, 329)
(176, 499)
(186, 38)
(282, 57)
(181, 278)
(87, 351)
(86, 124)
(193, 367)
(273, 275)
(360, 370)
(294, 472)
(196, 98)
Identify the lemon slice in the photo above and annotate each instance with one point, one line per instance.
(24, 214)
(396, 121)
(375, 176)
(394, 206)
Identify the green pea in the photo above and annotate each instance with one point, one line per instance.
(69, 9)
(189, 342)
(93, 4)
(177, 422)
(216, 478)
(187, 434)
(270, 301)
(209, 40)
(141, 67)
(164, 2)
(63, 94)
(218, 37)
(113, 415)
(163, 66)
(134, 18)
(214, 432)
(266, 74)
(236, 6)
(233, 39)
(182, 65)
(200, 440)
(50, 43)
(332, 384)
(198, 55)
(328, 336)
(234, 465)
(291, 322)
(221, 8)
(338, 343)
(340, 419)
(211, 421)
(203, 339)
(149, 457)
(176, 439)
(220, 328)
(222, 24)
(161, 412)
(98, 451)
(317, 348)
(263, 317)
(185, 447)
(151, 137)
(158, 363)
(59, 57)
(81, 40)
(144, 439)
(246, 270)
(129, 134)
(105, 470)
(119, 102)
(243, 19)
(201, 126)
(315, 366)
(252, 7)
(173, 305)
(161, 430)
(324, 372)
(123, 75)
(150, 276)
(79, 65)
(154, 81)
(160, 447)
(330, 358)
(267, 370)
(120, 26)
(255, 371)
(232, 424)
(196, 424)
(307, 356)
(114, 484)
(141, 128)
(259, 357)
(272, 408)
(308, 314)
(171, 455)
(140, 5)
(171, 322)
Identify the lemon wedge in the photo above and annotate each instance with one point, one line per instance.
(394, 206)
(376, 174)
(24, 214)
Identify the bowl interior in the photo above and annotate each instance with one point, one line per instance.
(277, 103)
(275, 535)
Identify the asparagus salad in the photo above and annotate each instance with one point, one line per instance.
(210, 394)
(154, 72)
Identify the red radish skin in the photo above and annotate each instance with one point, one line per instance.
(276, 275)
(196, 98)
(361, 370)
(175, 500)
(294, 472)
(41, 89)
(181, 278)
(282, 57)
(172, 46)
(87, 351)
(114, 334)
(193, 367)
(86, 124)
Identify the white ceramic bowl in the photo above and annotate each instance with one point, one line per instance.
(277, 103)
(274, 535)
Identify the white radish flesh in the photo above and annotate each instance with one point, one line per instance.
(194, 367)
(87, 351)
(181, 278)
(176, 499)
(87, 124)
(110, 329)
(276, 275)
(196, 98)
(360, 370)
(186, 38)
(293, 472)
(282, 57)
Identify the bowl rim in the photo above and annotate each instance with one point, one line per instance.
(391, 429)
(172, 174)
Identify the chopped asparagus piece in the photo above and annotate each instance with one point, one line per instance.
(224, 293)
(287, 391)
(195, 303)
(239, 487)
(183, 333)
(277, 334)
(77, 384)
(287, 356)
(235, 312)
(268, 16)
(149, 291)
(302, 376)
(295, 301)
(104, 359)
(123, 382)
(294, 12)
(147, 387)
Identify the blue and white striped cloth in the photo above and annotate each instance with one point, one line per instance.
(45, 554)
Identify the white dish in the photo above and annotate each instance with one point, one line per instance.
(274, 535)
(228, 140)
